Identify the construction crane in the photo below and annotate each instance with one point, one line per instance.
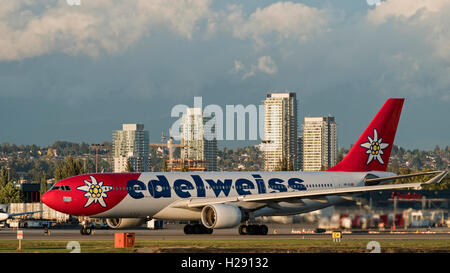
(199, 165)
(170, 145)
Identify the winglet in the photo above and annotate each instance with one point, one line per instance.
(438, 178)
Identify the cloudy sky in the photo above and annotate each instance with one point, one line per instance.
(76, 73)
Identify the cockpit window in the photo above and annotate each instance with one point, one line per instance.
(61, 188)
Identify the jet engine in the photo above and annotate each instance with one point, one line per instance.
(123, 223)
(221, 216)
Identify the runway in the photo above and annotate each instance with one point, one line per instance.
(175, 232)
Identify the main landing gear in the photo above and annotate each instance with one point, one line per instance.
(243, 229)
(197, 229)
(253, 230)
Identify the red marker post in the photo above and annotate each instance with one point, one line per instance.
(20, 237)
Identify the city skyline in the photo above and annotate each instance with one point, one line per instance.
(156, 137)
(88, 71)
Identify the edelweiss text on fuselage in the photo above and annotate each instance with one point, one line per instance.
(161, 188)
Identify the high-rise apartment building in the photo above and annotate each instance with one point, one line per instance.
(280, 130)
(300, 152)
(200, 141)
(319, 143)
(131, 144)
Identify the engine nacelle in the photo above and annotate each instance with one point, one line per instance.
(123, 223)
(221, 216)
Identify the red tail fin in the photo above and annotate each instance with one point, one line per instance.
(372, 150)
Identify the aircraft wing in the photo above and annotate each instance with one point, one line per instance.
(23, 213)
(284, 196)
(373, 181)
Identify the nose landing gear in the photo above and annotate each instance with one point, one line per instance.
(86, 228)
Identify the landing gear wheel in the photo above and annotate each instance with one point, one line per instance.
(86, 231)
(263, 230)
(253, 230)
(243, 229)
(188, 229)
(197, 229)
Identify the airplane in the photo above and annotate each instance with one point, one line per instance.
(216, 200)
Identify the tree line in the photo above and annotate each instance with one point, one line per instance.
(8, 193)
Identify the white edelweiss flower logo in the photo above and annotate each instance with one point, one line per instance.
(374, 147)
(95, 192)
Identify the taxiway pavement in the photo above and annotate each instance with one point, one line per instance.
(175, 232)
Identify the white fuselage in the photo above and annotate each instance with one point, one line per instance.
(152, 193)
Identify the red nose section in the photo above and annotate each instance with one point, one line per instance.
(91, 194)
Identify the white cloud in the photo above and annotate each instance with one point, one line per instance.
(429, 18)
(403, 45)
(31, 28)
(285, 20)
(238, 66)
(28, 29)
(405, 9)
(265, 65)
